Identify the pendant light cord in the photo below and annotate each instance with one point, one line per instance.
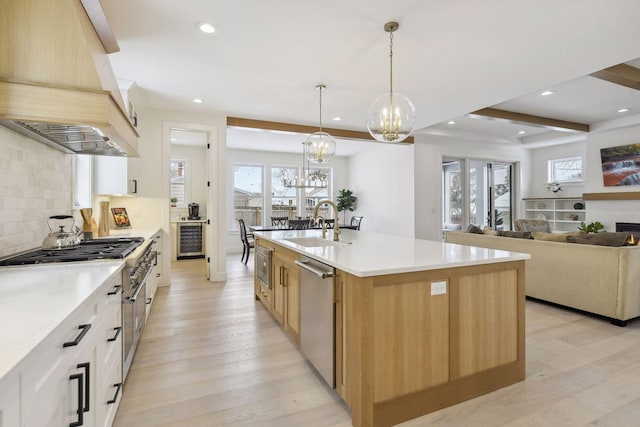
(320, 108)
(391, 60)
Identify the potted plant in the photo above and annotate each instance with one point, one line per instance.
(174, 202)
(593, 227)
(346, 202)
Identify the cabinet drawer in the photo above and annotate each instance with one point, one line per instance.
(47, 367)
(265, 295)
(109, 394)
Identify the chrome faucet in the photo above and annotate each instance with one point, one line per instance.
(336, 227)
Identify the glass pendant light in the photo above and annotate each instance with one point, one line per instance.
(319, 147)
(391, 117)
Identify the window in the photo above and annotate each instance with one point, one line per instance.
(248, 194)
(283, 199)
(565, 170)
(178, 172)
(312, 196)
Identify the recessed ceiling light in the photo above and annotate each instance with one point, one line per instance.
(206, 28)
(172, 139)
(336, 118)
(451, 122)
(521, 132)
(547, 93)
(623, 110)
(198, 101)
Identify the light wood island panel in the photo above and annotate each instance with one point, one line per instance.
(406, 352)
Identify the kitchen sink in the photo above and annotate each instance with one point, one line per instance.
(315, 242)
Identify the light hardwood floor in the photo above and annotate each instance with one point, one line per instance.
(211, 355)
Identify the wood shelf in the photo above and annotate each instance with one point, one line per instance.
(625, 195)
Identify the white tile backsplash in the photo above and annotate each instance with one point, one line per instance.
(36, 183)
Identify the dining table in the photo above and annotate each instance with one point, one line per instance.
(276, 228)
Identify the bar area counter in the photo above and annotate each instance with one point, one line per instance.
(419, 325)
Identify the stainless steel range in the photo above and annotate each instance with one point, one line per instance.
(134, 277)
(88, 250)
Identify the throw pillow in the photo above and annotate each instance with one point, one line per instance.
(524, 224)
(554, 237)
(490, 231)
(600, 239)
(541, 228)
(474, 229)
(516, 234)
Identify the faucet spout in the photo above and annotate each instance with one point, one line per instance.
(336, 227)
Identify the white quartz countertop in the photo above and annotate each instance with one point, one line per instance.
(367, 254)
(34, 300)
(147, 233)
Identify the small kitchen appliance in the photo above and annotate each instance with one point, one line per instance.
(194, 211)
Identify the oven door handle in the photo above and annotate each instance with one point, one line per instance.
(134, 297)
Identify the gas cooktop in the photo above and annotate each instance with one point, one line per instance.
(88, 250)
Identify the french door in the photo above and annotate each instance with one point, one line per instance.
(477, 192)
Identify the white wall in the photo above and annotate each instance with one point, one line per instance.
(382, 178)
(36, 183)
(268, 159)
(538, 176)
(607, 212)
(429, 151)
(157, 125)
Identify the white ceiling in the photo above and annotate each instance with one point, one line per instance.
(450, 58)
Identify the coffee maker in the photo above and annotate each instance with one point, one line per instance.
(194, 211)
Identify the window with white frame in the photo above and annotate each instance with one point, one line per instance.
(318, 176)
(283, 199)
(248, 194)
(565, 170)
(178, 175)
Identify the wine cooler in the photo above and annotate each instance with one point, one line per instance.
(190, 240)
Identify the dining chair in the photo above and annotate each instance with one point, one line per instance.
(248, 241)
(298, 224)
(279, 221)
(329, 223)
(355, 222)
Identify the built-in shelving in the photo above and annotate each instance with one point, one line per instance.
(563, 214)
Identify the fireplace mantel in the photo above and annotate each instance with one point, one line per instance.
(626, 195)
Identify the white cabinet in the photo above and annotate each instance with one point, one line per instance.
(65, 380)
(10, 401)
(563, 214)
(114, 176)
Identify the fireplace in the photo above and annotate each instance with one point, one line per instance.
(633, 228)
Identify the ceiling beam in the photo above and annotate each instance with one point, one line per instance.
(529, 120)
(621, 74)
(289, 127)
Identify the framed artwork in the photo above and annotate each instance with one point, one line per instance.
(121, 217)
(621, 165)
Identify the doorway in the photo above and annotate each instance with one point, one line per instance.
(189, 200)
(477, 192)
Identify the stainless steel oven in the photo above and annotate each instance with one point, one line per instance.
(139, 265)
(263, 266)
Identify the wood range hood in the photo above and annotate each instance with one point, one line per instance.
(56, 82)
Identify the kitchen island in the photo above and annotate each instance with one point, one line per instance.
(419, 325)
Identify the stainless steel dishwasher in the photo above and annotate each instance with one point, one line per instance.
(317, 316)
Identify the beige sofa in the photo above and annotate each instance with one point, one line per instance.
(598, 279)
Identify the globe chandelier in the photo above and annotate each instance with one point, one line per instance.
(391, 117)
(319, 147)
